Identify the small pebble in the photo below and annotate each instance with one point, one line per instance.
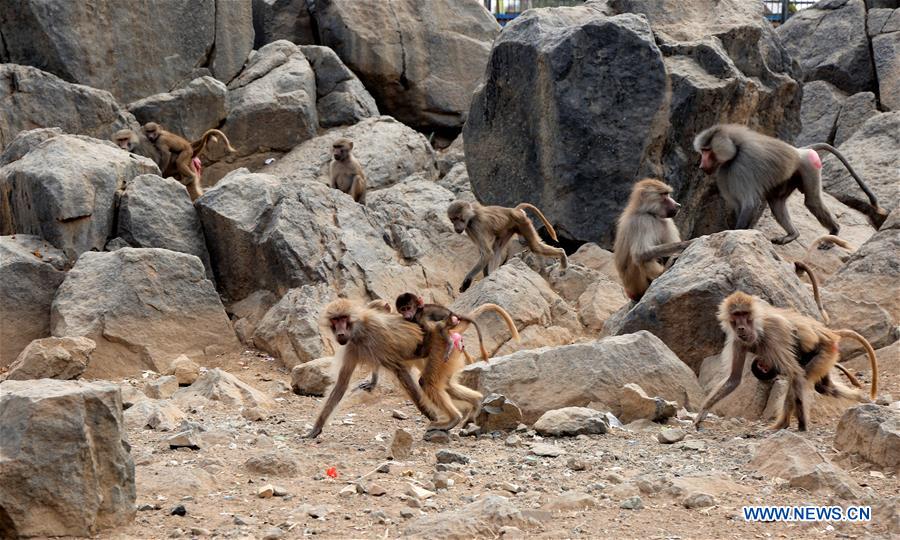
(179, 510)
(632, 503)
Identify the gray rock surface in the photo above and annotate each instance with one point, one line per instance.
(187, 111)
(341, 99)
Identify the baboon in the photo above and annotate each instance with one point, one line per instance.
(798, 347)
(370, 336)
(413, 308)
(799, 268)
(137, 143)
(750, 166)
(179, 156)
(492, 227)
(645, 233)
(346, 173)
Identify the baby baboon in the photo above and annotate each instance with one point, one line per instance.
(413, 308)
(798, 347)
(645, 233)
(492, 227)
(346, 173)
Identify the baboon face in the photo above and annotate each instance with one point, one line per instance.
(656, 198)
(408, 304)
(151, 130)
(742, 323)
(459, 213)
(341, 326)
(125, 139)
(341, 148)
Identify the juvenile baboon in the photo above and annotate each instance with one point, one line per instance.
(492, 227)
(798, 347)
(376, 338)
(179, 156)
(413, 308)
(645, 233)
(346, 173)
(750, 166)
(137, 143)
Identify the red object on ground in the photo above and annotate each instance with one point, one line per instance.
(332, 472)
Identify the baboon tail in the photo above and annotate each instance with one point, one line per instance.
(503, 314)
(877, 214)
(550, 230)
(853, 380)
(832, 239)
(200, 144)
(801, 267)
(484, 353)
(869, 350)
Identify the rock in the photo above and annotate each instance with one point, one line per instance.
(844, 59)
(399, 415)
(274, 463)
(422, 60)
(512, 533)
(157, 212)
(418, 492)
(273, 533)
(401, 444)
(160, 415)
(680, 306)
(574, 375)
(872, 432)
(312, 378)
(819, 111)
(189, 110)
(480, 518)
(498, 414)
(788, 455)
(290, 330)
(571, 421)
(52, 358)
(86, 484)
(266, 492)
(33, 98)
(870, 151)
(670, 435)
(885, 50)
(457, 182)
(30, 272)
(179, 510)
(341, 99)
(449, 157)
(636, 404)
(184, 439)
(246, 314)
(448, 456)
(161, 388)
(856, 110)
(276, 88)
(46, 191)
(130, 395)
(218, 385)
(437, 436)
(546, 450)
(649, 68)
(698, 500)
(599, 301)
(184, 370)
(387, 150)
(632, 503)
(165, 43)
(253, 414)
(143, 308)
(576, 464)
(282, 19)
(569, 502)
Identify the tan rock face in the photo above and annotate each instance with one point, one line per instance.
(71, 489)
(871, 431)
(53, 358)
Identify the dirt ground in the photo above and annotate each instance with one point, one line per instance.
(219, 493)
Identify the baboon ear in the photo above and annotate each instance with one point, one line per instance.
(421, 301)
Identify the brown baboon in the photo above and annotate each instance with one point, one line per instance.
(179, 156)
(492, 227)
(137, 143)
(750, 166)
(346, 173)
(645, 232)
(413, 308)
(798, 347)
(373, 337)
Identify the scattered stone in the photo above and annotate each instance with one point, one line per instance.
(670, 435)
(439, 436)
(185, 370)
(254, 414)
(632, 503)
(62, 358)
(375, 490)
(185, 439)
(401, 444)
(441, 480)
(218, 385)
(448, 456)
(513, 440)
(546, 450)
(312, 378)
(418, 492)
(571, 421)
(198, 531)
(614, 478)
(273, 533)
(161, 388)
(347, 491)
(406, 513)
(478, 519)
(155, 414)
(399, 415)
(698, 500)
(245, 520)
(276, 463)
(511, 533)
(498, 414)
(179, 510)
(471, 430)
(576, 464)
(636, 404)
(568, 502)
(146, 507)
(510, 487)
(695, 445)
(872, 432)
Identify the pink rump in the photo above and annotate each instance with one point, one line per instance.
(814, 159)
(199, 166)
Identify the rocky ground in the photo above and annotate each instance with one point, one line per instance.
(493, 485)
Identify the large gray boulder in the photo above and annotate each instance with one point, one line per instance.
(132, 50)
(871, 431)
(623, 87)
(31, 98)
(856, 110)
(819, 112)
(843, 58)
(65, 466)
(282, 19)
(872, 150)
(290, 330)
(575, 375)
(143, 308)
(387, 150)
(420, 58)
(30, 271)
(272, 103)
(680, 306)
(64, 191)
(341, 99)
(157, 212)
(188, 110)
(886, 54)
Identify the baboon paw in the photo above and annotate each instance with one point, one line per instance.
(782, 240)
(367, 386)
(312, 434)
